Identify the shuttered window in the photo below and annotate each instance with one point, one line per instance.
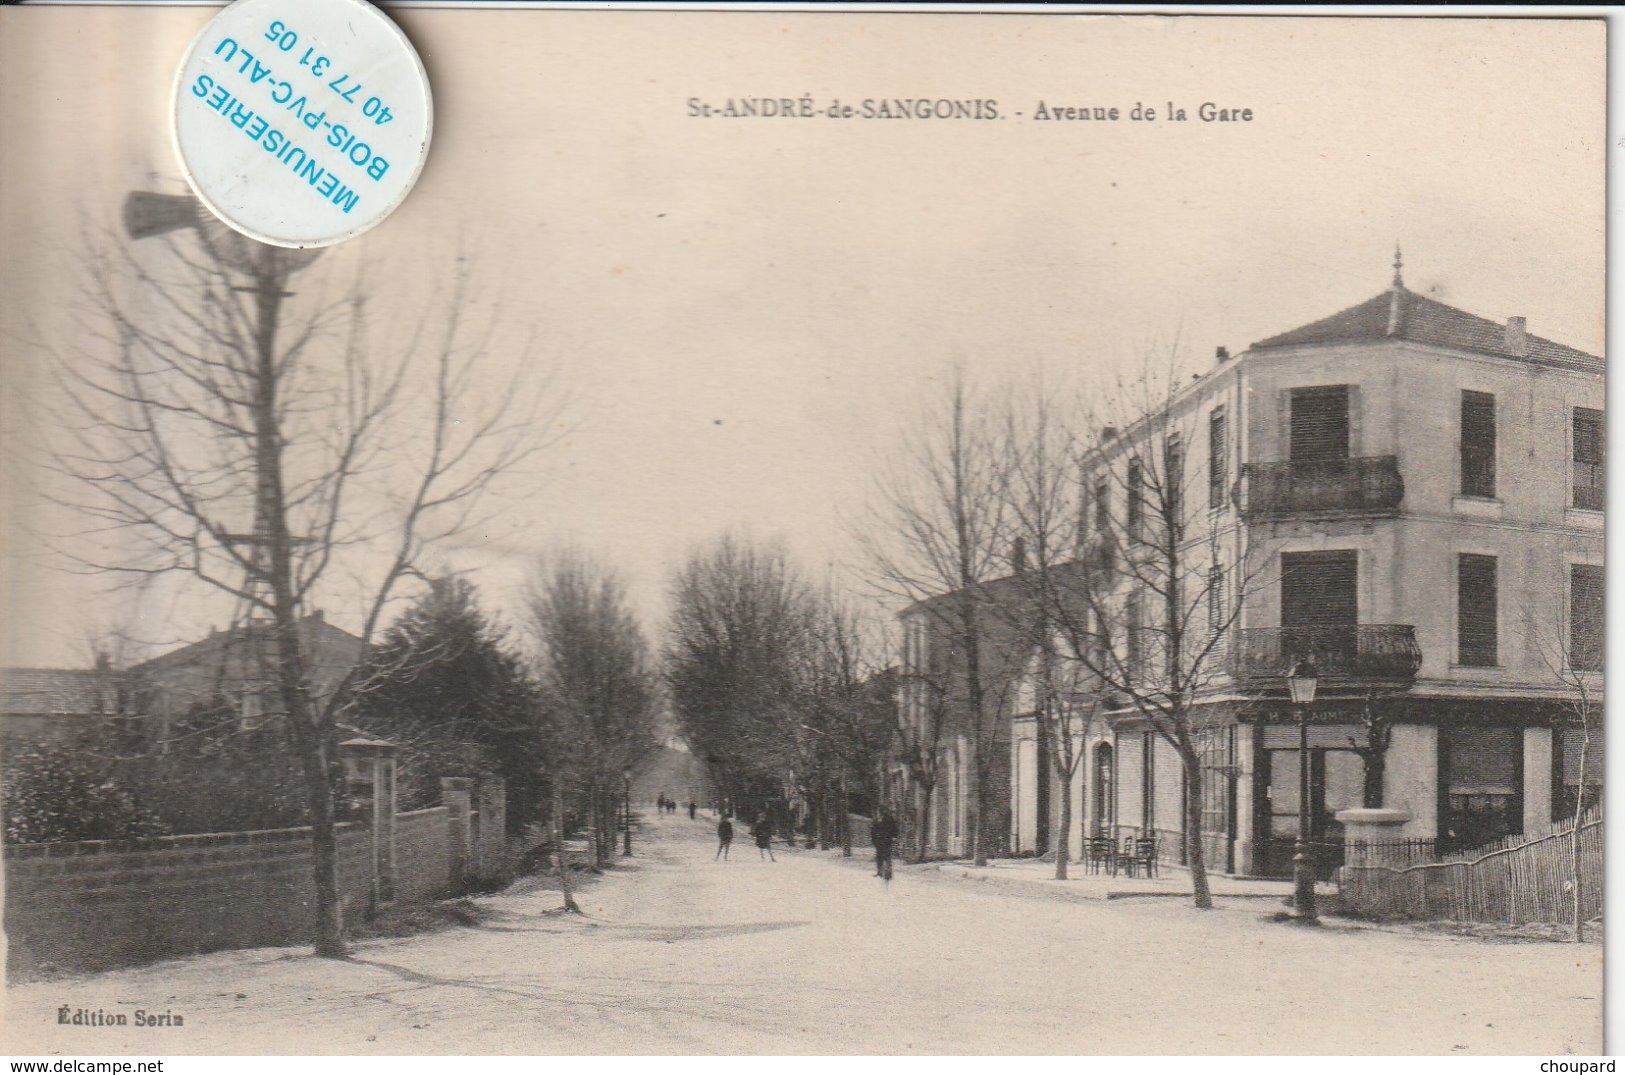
(1136, 498)
(1218, 613)
(1573, 740)
(1589, 453)
(1476, 610)
(1477, 444)
(1130, 778)
(1483, 785)
(1320, 589)
(1103, 503)
(1134, 637)
(1320, 423)
(1148, 762)
(1175, 485)
(1169, 782)
(1586, 583)
(1483, 761)
(1218, 457)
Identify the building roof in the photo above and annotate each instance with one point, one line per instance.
(314, 629)
(56, 691)
(1402, 314)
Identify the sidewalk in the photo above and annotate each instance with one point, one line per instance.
(1171, 881)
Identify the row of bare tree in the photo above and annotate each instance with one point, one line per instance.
(778, 685)
(1056, 561)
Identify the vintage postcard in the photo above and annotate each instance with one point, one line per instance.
(807, 532)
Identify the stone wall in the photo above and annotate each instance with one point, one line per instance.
(104, 903)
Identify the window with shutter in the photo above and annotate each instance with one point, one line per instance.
(1320, 424)
(1477, 444)
(1130, 778)
(1136, 498)
(1320, 589)
(1567, 792)
(1174, 479)
(1586, 585)
(1103, 518)
(1483, 785)
(1589, 459)
(1133, 637)
(1218, 457)
(1476, 610)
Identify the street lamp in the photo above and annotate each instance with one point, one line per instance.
(1301, 683)
(626, 811)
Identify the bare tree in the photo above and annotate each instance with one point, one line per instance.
(937, 531)
(267, 446)
(736, 643)
(599, 690)
(1145, 611)
(1571, 648)
(923, 716)
(846, 713)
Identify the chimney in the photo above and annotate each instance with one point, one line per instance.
(1518, 336)
(1222, 353)
(1018, 555)
(1109, 433)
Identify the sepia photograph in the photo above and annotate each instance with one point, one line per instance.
(863, 532)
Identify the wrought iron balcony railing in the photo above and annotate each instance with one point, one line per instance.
(1377, 651)
(1368, 485)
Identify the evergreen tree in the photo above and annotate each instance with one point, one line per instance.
(444, 685)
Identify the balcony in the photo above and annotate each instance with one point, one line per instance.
(1368, 651)
(1368, 485)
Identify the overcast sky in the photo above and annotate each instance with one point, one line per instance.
(745, 310)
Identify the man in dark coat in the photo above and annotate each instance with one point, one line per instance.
(883, 833)
(725, 837)
(763, 832)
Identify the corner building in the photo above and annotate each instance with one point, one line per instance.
(1417, 495)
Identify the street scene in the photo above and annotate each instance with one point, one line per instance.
(675, 588)
(677, 953)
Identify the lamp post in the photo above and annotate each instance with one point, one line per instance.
(626, 812)
(1301, 683)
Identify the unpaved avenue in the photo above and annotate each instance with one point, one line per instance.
(679, 954)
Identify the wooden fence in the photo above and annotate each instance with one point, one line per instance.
(1524, 878)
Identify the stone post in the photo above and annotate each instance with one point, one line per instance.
(456, 793)
(1537, 778)
(493, 839)
(1365, 826)
(369, 769)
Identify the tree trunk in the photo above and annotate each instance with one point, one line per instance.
(978, 850)
(1044, 757)
(1375, 763)
(1195, 855)
(559, 852)
(1063, 837)
(273, 560)
(922, 829)
(1574, 837)
(846, 821)
(329, 940)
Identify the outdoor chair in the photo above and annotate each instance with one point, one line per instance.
(1124, 858)
(1100, 853)
(1145, 855)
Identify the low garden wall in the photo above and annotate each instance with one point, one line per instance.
(103, 903)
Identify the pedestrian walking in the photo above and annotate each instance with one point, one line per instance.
(693, 809)
(763, 832)
(883, 834)
(725, 838)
